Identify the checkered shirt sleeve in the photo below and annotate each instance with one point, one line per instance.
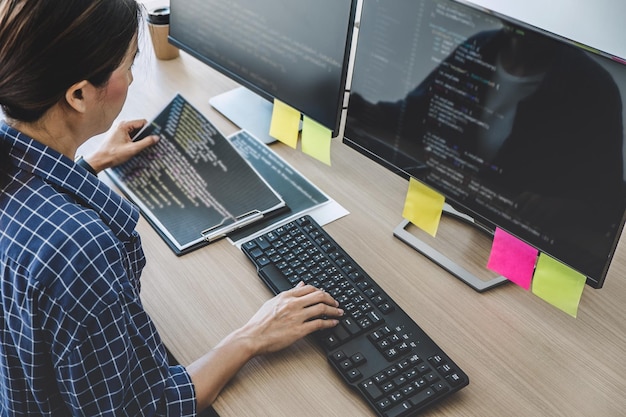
(74, 337)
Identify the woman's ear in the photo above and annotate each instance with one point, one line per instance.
(77, 95)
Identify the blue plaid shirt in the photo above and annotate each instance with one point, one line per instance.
(74, 337)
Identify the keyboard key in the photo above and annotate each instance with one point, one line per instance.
(445, 369)
(330, 340)
(358, 359)
(341, 333)
(387, 387)
(370, 388)
(346, 364)
(454, 379)
(353, 374)
(338, 356)
(256, 252)
(383, 404)
(440, 387)
(422, 397)
(262, 242)
(400, 410)
(350, 326)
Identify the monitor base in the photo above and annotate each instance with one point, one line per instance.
(445, 262)
(247, 110)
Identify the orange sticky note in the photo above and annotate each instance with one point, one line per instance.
(423, 207)
(285, 124)
(512, 258)
(558, 284)
(316, 140)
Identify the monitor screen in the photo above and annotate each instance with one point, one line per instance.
(294, 51)
(516, 127)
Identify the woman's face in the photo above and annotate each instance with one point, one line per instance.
(114, 92)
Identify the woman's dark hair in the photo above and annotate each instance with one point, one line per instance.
(46, 46)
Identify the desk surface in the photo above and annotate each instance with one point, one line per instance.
(523, 357)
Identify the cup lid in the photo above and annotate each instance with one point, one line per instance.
(159, 15)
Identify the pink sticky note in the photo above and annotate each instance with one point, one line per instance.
(512, 258)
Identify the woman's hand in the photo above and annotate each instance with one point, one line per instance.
(281, 321)
(290, 316)
(119, 147)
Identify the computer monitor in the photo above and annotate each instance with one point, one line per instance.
(295, 51)
(518, 128)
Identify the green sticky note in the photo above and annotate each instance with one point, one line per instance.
(285, 124)
(423, 207)
(558, 284)
(316, 140)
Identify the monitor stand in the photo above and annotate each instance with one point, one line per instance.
(465, 244)
(247, 110)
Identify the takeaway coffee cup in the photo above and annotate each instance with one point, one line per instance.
(159, 27)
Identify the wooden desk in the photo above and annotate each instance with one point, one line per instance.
(523, 356)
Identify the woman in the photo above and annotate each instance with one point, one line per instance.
(74, 337)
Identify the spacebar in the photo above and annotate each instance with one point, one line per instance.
(274, 278)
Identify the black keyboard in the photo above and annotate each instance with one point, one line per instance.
(377, 348)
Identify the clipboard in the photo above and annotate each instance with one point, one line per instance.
(193, 186)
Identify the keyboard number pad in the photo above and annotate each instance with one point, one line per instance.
(408, 385)
(392, 342)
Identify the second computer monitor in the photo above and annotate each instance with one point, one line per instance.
(518, 128)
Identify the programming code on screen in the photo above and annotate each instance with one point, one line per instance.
(521, 129)
(193, 179)
(293, 51)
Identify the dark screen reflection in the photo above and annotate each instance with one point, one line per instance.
(521, 129)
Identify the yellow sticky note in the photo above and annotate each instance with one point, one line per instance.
(316, 140)
(285, 124)
(423, 207)
(558, 284)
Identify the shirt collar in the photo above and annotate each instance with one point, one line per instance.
(55, 168)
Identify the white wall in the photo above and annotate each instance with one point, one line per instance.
(597, 23)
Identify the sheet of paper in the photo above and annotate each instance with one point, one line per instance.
(285, 124)
(423, 207)
(302, 196)
(558, 284)
(316, 140)
(512, 258)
